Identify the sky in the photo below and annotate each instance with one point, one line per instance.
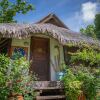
(74, 13)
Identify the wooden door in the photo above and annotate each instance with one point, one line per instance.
(40, 57)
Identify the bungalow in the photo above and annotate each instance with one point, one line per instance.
(44, 43)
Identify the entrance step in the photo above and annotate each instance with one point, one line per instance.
(54, 97)
(49, 90)
(47, 85)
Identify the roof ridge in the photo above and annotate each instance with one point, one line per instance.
(52, 15)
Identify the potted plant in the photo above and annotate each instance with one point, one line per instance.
(15, 80)
(60, 73)
(20, 79)
(81, 96)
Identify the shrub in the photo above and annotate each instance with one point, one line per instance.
(90, 82)
(4, 64)
(79, 80)
(72, 85)
(15, 78)
(86, 57)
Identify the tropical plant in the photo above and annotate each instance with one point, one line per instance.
(79, 80)
(86, 57)
(93, 30)
(97, 25)
(90, 82)
(89, 31)
(72, 85)
(4, 64)
(89, 73)
(15, 78)
(21, 80)
(9, 9)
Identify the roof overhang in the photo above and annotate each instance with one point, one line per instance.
(63, 35)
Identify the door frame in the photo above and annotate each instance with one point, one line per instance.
(48, 39)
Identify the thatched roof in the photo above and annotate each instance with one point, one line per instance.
(64, 36)
(53, 19)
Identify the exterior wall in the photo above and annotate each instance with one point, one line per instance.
(53, 43)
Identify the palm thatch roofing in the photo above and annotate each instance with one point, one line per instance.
(63, 35)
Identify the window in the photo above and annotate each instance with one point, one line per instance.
(18, 52)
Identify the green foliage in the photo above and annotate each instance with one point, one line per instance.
(21, 80)
(9, 9)
(4, 64)
(90, 82)
(84, 68)
(15, 78)
(87, 57)
(79, 80)
(93, 30)
(72, 85)
(97, 25)
(89, 31)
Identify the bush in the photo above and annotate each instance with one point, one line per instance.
(84, 66)
(79, 80)
(72, 85)
(4, 64)
(15, 78)
(87, 57)
(89, 85)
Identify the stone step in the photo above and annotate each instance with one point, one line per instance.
(49, 92)
(62, 97)
(48, 88)
(44, 85)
